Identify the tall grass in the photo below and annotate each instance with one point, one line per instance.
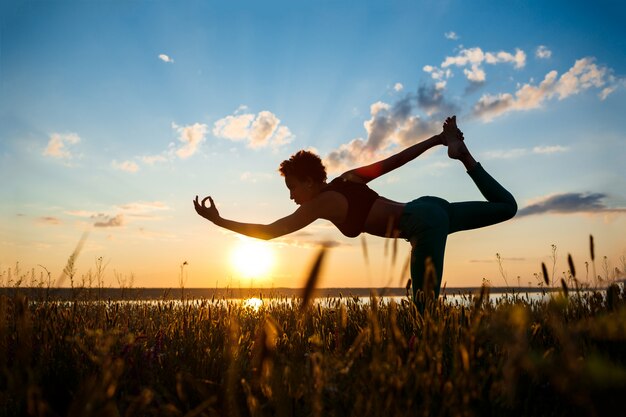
(293, 357)
(217, 357)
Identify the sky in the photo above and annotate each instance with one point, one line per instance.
(114, 115)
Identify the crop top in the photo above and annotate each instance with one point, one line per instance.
(360, 200)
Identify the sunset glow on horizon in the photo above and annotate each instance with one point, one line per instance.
(114, 115)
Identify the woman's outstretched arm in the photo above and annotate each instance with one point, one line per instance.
(367, 173)
(302, 217)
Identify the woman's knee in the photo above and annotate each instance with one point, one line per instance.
(511, 208)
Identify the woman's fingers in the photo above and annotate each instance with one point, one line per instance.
(204, 201)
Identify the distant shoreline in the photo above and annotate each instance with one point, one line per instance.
(237, 293)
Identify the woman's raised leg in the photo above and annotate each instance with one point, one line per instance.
(500, 204)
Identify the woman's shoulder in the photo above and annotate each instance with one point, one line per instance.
(350, 176)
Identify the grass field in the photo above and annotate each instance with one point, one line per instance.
(214, 357)
(289, 356)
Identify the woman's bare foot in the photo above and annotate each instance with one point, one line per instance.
(456, 148)
(452, 137)
(450, 131)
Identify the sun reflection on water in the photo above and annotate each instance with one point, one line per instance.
(253, 303)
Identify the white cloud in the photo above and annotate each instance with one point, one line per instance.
(398, 87)
(142, 207)
(519, 59)
(260, 130)
(59, 144)
(388, 128)
(166, 58)
(440, 85)
(474, 58)
(191, 136)
(550, 149)
(606, 91)
(475, 75)
(255, 177)
(282, 136)
(143, 210)
(128, 166)
(451, 35)
(519, 152)
(505, 154)
(152, 159)
(81, 213)
(585, 74)
(543, 52)
(437, 73)
(263, 127)
(233, 127)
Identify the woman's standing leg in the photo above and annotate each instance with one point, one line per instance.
(425, 223)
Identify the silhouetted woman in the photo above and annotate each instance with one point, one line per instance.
(355, 208)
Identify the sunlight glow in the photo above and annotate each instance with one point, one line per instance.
(252, 259)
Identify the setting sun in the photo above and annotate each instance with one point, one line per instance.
(252, 259)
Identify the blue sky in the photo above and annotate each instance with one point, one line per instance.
(113, 115)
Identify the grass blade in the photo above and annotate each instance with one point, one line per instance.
(69, 268)
(544, 271)
(312, 279)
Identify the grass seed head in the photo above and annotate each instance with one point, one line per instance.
(544, 271)
(570, 262)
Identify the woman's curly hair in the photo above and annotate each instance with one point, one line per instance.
(303, 165)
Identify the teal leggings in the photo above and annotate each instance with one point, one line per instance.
(427, 222)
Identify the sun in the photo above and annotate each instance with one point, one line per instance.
(252, 259)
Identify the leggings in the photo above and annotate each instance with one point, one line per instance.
(427, 222)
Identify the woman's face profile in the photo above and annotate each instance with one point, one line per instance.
(300, 191)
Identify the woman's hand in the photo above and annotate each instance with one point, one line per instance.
(209, 213)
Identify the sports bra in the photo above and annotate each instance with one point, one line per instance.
(360, 200)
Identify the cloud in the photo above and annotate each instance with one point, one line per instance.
(134, 210)
(476, 56)
(59, 143)
(143, 207)
(398, 87)
(260, 130)
(191, 136)
(388, 128)
(430, 98)
(166, 58)
(81, 213)
(583, 75)
(550, 149)
(569, 203)
(475, 74)
(107, 221)
(543, 52)
(127, 166)
(451, 35)
(255, 177)
(519, 152)
(49, 220)
(438, 74)
(306, 240)
(505, 154)
(152, 159)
